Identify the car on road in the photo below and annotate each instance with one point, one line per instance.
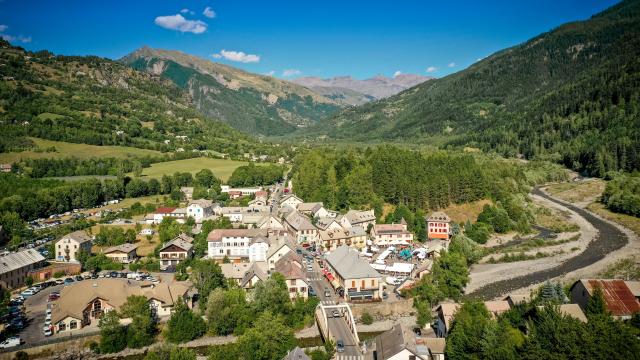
(79, 278)
(46, 330)
(69, 280)
(59, 281)
(53, 296)
(312, 291)
(10, 342)
(336, 313)
(327, 292)
(340, 346)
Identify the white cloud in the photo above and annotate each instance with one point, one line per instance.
(291, 72)
(179, 23)
(208, 12)
(238, 56)
(451, 64)
(431, 69)
(24, 39)
(6, 37)
(271, 73)
(184, 11)
(3, 28)
(397, 73)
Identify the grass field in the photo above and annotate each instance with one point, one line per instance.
(221, 168)
(145, 247)
(576, 192)
(463, 212)
(82, 151)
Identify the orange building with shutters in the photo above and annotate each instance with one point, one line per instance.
(438, 226)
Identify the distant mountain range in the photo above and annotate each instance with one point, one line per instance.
(350, 91)
(257, 104)
(571, 95)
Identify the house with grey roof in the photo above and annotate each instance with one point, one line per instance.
(14, 267)
(352, 276)
(361, 217)
(174, 252)
(68, 247)
(302, 227)
(296, 354)
(402, 343)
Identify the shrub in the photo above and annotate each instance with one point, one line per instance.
(366, 318)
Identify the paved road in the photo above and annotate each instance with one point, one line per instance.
(609, 239)
(337, 326)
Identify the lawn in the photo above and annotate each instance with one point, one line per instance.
(221, 168)
(460, 213)
(145, 247)
(82, 151)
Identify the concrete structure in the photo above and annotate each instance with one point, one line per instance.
(347, 270)
(301, 226)
(362, 218)
(295, 278)
(15, 267)
(47, 272)
(621, 297)
(291, 201)
(160, 213)
(278, 250)
(68, 246)
(334, 237)
(175, 251)
(391, 234)
(125, 253)
(438, 226)
(238, 244)
(200, 209)
(85, 302)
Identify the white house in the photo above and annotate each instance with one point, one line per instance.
(200, 209)
(162, 212)
(68, 246)
(391, 234)
(302, 227)
(238, 244)
(291, 201)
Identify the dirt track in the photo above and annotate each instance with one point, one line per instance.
(608, 239)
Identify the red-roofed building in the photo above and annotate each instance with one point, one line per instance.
(621, 301)
(234, 194)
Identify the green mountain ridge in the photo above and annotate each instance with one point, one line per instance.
(257, 104)
(570, 95)
(97, 101)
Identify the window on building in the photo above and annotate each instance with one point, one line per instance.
(62, 326)
(362, 285)
(73, 325)
(353, 283)
(97, 305)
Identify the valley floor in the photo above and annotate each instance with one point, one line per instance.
(601, 243)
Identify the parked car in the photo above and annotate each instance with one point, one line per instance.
(10, 342)
(113, 274)
(312, 292)
(69, 280)
(47, 331)
(336, 313)
(340, 346)
(27, 293)
(79, 278)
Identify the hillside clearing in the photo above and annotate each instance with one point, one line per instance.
(221, 168)
(578, 192)
(81, 151)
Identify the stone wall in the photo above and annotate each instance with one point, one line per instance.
(384, 309)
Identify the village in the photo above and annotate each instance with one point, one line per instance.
(346, 260)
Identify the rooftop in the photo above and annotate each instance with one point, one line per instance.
(79, 236)
(125, 248)
(619, 298)
(358, 216)
(164, 210)
(299, 221)
(439, 216)
(349, 265)
(184, 245)
(19, 259)
(219, 234)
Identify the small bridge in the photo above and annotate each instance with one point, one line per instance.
(337, 328)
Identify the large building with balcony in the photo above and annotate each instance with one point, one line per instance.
(352, 276)
(238, 244)
(83, 303)
(69, 246)
(438, 226)
(391, 234)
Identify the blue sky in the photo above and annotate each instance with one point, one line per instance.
(293, 38)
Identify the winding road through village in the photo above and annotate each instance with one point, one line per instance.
(608, 239)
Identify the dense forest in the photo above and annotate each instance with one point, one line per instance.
(570, 95)
(418, 181)
(622, 194)
(91, 100)
(252, 175)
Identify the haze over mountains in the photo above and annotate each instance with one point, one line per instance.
(357, 92)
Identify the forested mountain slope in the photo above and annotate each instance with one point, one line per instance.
(261, 105)
(91, 100)
(571, 95)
